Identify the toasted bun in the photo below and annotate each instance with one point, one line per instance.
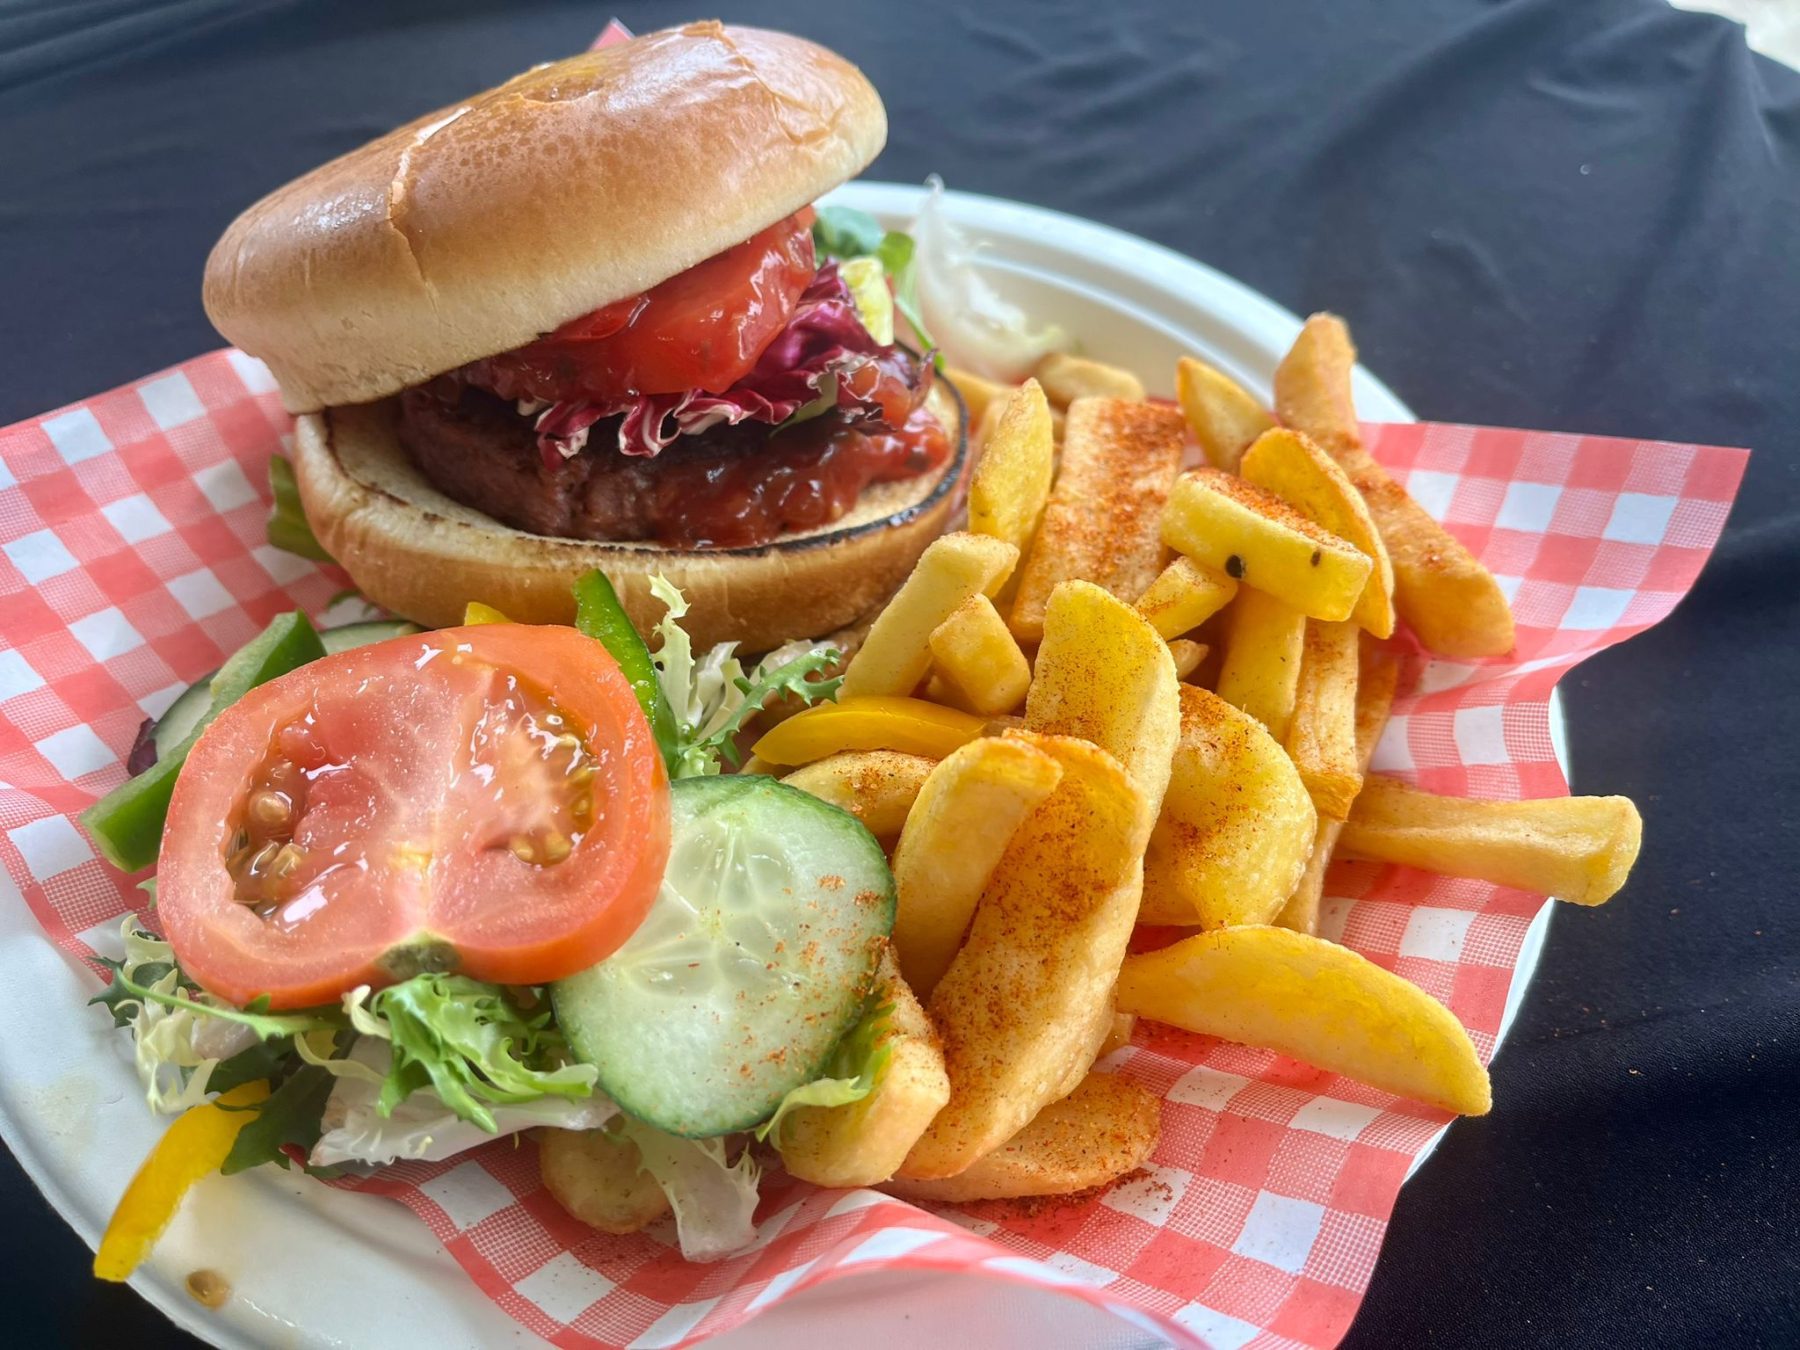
(414, 551)
(482, 226)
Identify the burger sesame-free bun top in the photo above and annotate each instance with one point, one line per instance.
(478, 228)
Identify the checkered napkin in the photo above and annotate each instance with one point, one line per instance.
(133, 560)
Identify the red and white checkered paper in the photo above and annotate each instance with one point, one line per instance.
(133, 559)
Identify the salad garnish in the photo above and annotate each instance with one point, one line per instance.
(436, 1061)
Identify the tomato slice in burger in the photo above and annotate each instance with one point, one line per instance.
(488, 800)
(701, 329)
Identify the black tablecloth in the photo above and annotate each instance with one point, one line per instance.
(1563, 214)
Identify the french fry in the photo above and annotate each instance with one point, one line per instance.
(1264, 645)
(1101, 524)
(1452, 602)
(1301, 474)
(861, 1143)
(1015, 1008)
(966, 813)
(1108, 1126)
(1224, 416)
(909, 725)
(1118, 1035)
(1236, 824)
(1066, 378)
(1255, 537)
(1312, 386)
(896, 654)
(878, 787)
(1578, 849)
(1104, 675)
(1375, 683)
(599, 1178)
(1011, 482)
(987, 427)
(1184, 596)
(1187, 656)
(978, 392)
(976, 654)
(1321, 736)
(1315, 1001)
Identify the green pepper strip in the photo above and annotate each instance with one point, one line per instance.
(599, 615)
(127, 823)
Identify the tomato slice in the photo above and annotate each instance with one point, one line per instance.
(484, 799)
(701, 329)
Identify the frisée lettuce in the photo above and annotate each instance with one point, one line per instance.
(713, 1200)
(713, 697)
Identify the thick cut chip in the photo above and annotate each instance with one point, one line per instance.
(1107, 1127)
(1184, 596)
(1016, 1008)
(1187, 656)
(1578, 849)
(1103, 520)
(1067, 378)
(978, 392)
(1104, 675)
(1301, 474)
(977, 655)
(878, 787)
(600, 1179)
(1321, 736)
(1011, 482)
(1265, 645)
(1314, 1001)
(954, 838)
(1375, 683)
(1118, 1035)
(1224, 416)
(1236, 825)
(895, 655)
(1253, 536)
(863, 1142)
(1452, 602)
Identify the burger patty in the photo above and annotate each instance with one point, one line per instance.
(478, 450)
(728, 486)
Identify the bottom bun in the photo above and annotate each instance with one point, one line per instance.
(414, 551)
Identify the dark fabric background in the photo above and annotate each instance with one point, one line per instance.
(1573, 214)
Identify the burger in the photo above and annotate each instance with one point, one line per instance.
(583, 320)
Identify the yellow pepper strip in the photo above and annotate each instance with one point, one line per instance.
(194, 1146)
(480, 613)
(868, 722)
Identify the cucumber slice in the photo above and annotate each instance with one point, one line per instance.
(346, 636)
(753, 963)
(181, 717)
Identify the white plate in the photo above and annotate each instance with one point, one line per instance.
(314, 1267)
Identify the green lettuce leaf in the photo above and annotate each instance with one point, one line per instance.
(468, 1041)
(183, 1039)
(899, 260)
(290, 1115)
(288, 527)
(852, 1073)
(845, 232)
(713, 1199)
(713, 697)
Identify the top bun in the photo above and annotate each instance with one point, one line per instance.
(478, 228)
